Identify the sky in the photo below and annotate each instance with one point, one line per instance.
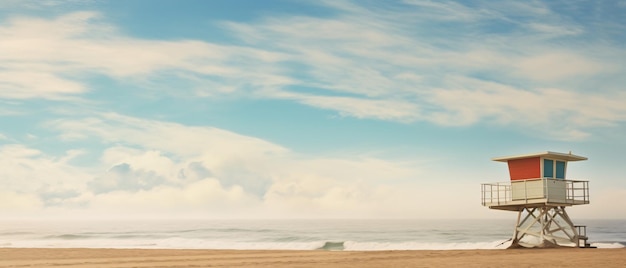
(303, 109)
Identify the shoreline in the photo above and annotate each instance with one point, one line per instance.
(90, 257)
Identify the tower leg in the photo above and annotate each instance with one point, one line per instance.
(542, 227)
(516, 233)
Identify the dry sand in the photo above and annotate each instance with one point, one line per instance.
(10, 257)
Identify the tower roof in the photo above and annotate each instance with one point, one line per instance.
(553, 155)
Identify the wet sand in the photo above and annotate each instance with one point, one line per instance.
(22, 257)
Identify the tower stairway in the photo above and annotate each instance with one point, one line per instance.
(582, 237)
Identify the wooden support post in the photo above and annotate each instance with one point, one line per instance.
(546, 226)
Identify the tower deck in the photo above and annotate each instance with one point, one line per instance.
(542, 192)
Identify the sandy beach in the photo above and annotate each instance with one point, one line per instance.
(17, 257)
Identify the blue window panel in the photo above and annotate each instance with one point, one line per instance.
(560, 170)
(548, 168)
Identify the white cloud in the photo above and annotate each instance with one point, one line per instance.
(208, 172)
(447, 10)
(40, 4)
(378, 62)
(143, 174)
(23, 84)
(46, 58)
(558, 65)
(357, 64)
(393, 110)
(166, 136)
(18, 203)
(205, 198)
(146, 160)
(31, 179)
(555, 30)
(559, 112)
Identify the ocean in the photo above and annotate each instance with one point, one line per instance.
(284, 234)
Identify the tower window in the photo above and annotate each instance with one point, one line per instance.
(548, 168)
(560, 170)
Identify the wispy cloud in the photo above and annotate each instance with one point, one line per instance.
(475, 100)
(49, 58)
(42, 4)
(382, 62)
(448, 10)
(367, 56)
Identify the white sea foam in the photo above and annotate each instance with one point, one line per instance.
(371, 246)
(182, 243)
(351, 235)
(607, 245)
(170, 243)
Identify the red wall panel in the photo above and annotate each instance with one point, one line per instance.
(526, 168)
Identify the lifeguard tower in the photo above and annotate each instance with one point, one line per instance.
(539, 192)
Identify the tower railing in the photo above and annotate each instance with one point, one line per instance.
(498, 193)
(543, 190)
